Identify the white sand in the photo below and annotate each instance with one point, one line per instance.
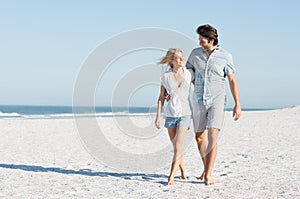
(258, 157)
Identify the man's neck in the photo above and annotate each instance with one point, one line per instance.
(209, 50)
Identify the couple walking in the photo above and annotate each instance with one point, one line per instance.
(207, 68)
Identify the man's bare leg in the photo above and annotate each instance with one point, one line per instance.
(202, 145)
(212, 147)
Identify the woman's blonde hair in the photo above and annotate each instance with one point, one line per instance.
(170, 56)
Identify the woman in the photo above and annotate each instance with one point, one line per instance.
(175, 82)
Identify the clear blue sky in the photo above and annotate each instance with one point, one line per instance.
(44, 43)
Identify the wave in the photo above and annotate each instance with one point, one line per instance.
(9, 115)
(15, 115)
(65, 112)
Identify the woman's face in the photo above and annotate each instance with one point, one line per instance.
(178, 60)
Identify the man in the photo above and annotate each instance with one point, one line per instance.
(210, 65)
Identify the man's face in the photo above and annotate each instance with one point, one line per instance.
(205, 43)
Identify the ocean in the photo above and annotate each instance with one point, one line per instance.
(57, 112)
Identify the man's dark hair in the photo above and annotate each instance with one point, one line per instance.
(208, 32)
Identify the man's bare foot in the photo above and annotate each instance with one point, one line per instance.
(202, 175)
(171, 181)
(208, 181)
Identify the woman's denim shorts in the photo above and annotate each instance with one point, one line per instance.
(173, 122)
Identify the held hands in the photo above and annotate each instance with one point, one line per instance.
(167, 96)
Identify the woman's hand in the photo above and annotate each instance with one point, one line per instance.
(157, 122)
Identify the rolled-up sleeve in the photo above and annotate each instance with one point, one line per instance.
(229, 68)
(190, 67)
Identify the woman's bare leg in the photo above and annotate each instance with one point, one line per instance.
(177, 136)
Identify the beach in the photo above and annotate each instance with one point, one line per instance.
(258, 157)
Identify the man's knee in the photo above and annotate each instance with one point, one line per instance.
(212, 132)
(200, 136)
(212, 135)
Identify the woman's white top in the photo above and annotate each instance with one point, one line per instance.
(178, 105)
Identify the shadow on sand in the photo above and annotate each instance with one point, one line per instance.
(157, 178)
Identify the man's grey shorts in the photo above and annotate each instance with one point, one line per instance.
(211, 116)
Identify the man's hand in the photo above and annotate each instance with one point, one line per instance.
(237, 112)
(167, 96)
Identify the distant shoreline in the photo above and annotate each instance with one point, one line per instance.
(61, 109)
(69, 112)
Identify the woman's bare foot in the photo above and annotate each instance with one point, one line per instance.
(183, 176)
(208, 181)
(171, 181)
(202, 175)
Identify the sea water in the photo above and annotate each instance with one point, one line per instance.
(56, 112)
